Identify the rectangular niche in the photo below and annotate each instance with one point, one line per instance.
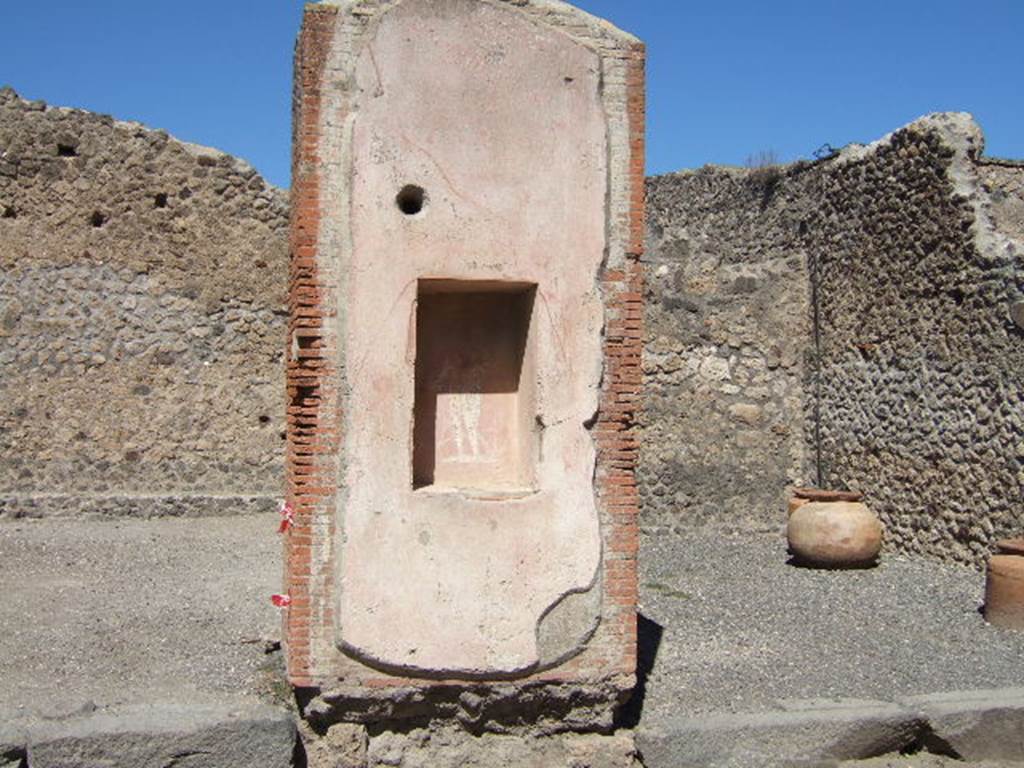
(475, 405)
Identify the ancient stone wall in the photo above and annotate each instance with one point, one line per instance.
(728, 321)
(853, 323)
(142, 320)
(921, 363)
(1003, 184)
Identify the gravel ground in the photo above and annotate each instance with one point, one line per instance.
(135, 612)
(741, 629)
(132, 612)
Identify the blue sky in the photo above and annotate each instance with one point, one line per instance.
(727, 79)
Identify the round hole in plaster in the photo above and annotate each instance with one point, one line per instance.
(411, 199)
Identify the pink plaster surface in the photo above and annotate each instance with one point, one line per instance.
(500, 121)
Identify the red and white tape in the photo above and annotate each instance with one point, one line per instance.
(287, 512)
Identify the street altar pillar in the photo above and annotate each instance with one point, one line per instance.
(464, 358)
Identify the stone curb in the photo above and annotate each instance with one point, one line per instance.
(239, 735)
(975, 725)
(812, 733)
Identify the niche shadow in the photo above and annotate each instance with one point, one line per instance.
(471, 338)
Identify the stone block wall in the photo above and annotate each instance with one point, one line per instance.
(728, 320)
(142, 320)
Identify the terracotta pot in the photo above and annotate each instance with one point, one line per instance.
(802, 496)
(834, 534)
(1004, 587)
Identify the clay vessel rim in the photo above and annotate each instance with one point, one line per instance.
(819, 494)
(1011, 546)
(1009, 567)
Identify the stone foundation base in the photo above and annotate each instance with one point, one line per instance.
(347, 745)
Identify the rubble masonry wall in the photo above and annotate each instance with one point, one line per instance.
(142, 323)
(142, 320)
(853, 323)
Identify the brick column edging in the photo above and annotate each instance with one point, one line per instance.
(313, 428)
